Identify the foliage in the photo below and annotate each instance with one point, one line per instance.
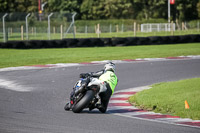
(18, 6)
(111, 9)
(148, 8)
(198, 9)
(186, 10)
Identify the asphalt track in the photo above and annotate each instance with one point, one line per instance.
(37, 106)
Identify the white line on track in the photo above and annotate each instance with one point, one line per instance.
(12, 85)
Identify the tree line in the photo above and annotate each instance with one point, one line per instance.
(182, 10)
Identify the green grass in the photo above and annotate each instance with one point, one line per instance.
(169, 98)
(16, 57)
(44, 36)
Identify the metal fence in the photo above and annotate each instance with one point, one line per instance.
(158, 27)
(46, 26)
(28, 26)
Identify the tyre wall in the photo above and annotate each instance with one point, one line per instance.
(100, 42)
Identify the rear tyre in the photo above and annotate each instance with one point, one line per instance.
(83, 103)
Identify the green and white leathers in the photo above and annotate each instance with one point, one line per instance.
(110, 78)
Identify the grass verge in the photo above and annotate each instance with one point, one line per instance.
(43, 36)
(16, 57)
(169, 98)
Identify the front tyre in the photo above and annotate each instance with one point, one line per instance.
(83, 103)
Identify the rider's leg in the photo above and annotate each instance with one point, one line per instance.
(105, 97)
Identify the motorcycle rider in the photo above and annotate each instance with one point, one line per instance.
(108, 81)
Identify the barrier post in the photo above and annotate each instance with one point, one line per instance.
(49, 27)
(4, 28)
(22, 32)
(98, 30)
(27, 25)
(122, 28)
(74, 30)
(61, 31)
(73, 16)
(110, 28)
(35, 31)
(86, 29)
(117, 28)
(172, 28)
(135, 29)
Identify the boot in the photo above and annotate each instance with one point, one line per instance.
(101, 108)
(67, 106)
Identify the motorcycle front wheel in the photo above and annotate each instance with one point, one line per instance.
(83, 103)
(67, 107)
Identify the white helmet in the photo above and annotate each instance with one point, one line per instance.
(109, 67)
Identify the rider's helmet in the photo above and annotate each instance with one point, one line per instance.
(109, 67)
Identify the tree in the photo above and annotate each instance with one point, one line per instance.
(183, 10)
(105, 9)
(18, 6)
(118, 9)
(198, 9)
(65, 5)
(86, 9)
(151, 8)
(186, 10)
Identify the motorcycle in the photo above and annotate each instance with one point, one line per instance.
(85, 94)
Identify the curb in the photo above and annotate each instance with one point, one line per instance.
(60, 65)
(119, 105)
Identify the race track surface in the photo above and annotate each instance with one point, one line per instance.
(32, 101)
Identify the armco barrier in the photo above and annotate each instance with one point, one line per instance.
(100, 42)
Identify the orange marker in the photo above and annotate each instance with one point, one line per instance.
(186, 105)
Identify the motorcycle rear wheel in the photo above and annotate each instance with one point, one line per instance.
(83, 103)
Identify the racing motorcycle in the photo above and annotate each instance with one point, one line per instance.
(85, 94)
